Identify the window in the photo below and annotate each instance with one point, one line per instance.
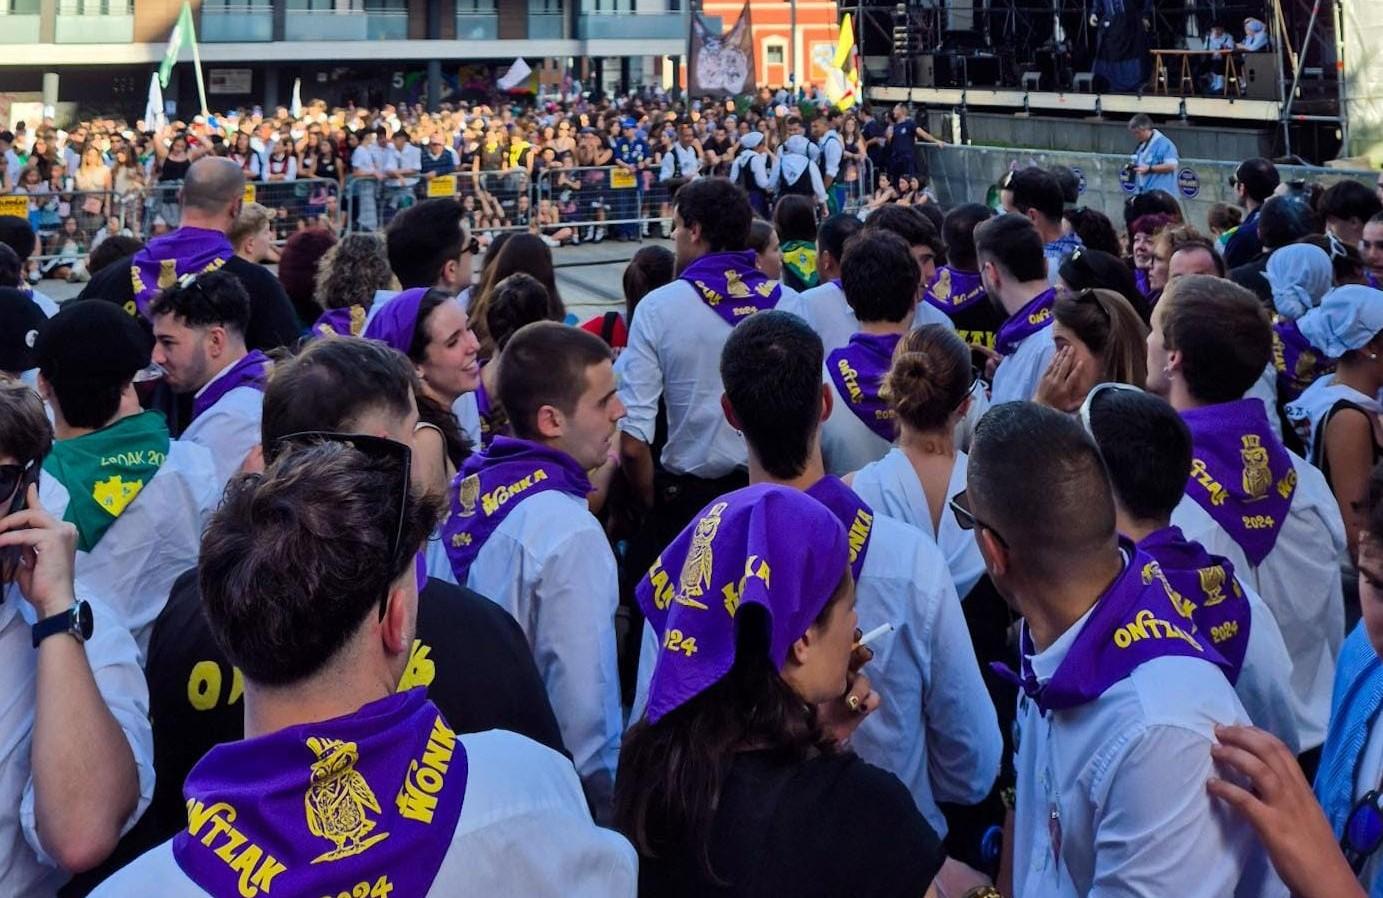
(94, 7)
(773, 54)
(475, 7)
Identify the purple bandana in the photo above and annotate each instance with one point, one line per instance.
(858, 369)
(250, 371)
(1027, 321)
(765, 545)
(492, 483)
(158, 265)
(1207, 583)
(394, 324)
(359, 804)
(953, 290)
(730, 285)
(1298, 363)
(1140, 618)
(854, 515)
(1140, 277)
(347, 322)
(1240, 473)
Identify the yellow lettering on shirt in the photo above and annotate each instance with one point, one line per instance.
(496, 498)
(852, 381)
(1145, 625)
(417, 798)
(859, 532)
(257, 868)
(1199, 473)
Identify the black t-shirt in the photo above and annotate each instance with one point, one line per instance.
(469, 652)
(977, 323)
(272, 322)
(831, 826)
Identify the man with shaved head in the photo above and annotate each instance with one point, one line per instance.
(210, 198)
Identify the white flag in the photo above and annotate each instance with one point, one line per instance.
(154, 116)
(296, 107)
(517, 73)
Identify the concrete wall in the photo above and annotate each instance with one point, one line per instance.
(1090, 136)
(1363, 40)
(964, 174)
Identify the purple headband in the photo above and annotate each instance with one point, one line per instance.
(767, 545)
(394, 324)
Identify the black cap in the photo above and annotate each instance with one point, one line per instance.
(21, 320)
(93, 342)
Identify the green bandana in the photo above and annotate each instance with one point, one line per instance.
(104, 470)
(799, 257)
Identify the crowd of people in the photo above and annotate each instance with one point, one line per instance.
(968, 551)
(560, 170)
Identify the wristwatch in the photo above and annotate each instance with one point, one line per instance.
(76, 620)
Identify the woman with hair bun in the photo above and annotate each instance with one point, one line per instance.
(928, 388)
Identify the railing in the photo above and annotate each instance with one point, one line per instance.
(494, 200)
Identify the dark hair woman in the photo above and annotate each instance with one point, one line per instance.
(524, 253)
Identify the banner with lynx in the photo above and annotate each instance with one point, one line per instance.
(721, 65)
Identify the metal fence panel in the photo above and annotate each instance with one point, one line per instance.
(493, 200)
(625, 202)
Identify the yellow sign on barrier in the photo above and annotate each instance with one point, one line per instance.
(621, 179)
(249, 193)
(14, 206)
(442, 185)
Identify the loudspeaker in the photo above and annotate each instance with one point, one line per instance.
(917, 71)
(1258, 74)
(983, 71)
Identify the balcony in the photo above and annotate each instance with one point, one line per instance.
(236, 23)
(545, 26)
(631, 25)
(345, 25)
(94, 22)
(477, 26)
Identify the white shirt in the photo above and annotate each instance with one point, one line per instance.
(674, 354)
(890, 486)
(680, 162)
(1368, 775)
(410, 158)
(825, 309)
(1265, 390)
(524, 830)
(936, 729)
(831, 150)
(44, 302)
(762, 166)
(847, 443)
(1120, 783)
(550, 566)
(1265, 679)
(364, 161)
(1018, 373)
(155, 539)
(1308, 410)
(26, 870)
(1299, 581)
(229, 429)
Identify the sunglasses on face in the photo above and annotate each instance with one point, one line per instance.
(960, 507)
(14, 482)
(472, 248)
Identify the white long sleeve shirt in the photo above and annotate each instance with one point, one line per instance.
(26, 870)
(550, 566)
(763, 167)
(680, 162)
(524, 830)
(228, 430)
(1300, 581)
(831, 151)
(847, 443)
(825, 309)
(1111, 797)
(1017, 376)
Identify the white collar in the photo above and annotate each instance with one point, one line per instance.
(215, 377)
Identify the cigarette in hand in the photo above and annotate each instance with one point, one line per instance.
(880, 630)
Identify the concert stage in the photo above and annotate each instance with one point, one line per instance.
(1011, 100)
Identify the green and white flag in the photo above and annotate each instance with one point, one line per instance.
(184, 35)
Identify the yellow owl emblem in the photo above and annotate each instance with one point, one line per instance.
(114, 494)
(357, 320)
(695, 579)
(941, 289)
(1213, 584)
(1153, 571)
(167, 273)
(734, 285)
(467, 494)
(1257, 478)
(337, 800)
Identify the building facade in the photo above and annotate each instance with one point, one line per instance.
(775, 58)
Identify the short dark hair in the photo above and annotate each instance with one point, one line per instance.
(206, 300)
(878, 276)
(1035, 188)
(759, 233)
(1146, 448)
(1011, 241)
(11, 269)
(958, 233)
(720, 208)
(1350, 199)
(1259, 177)
(651, 268)
(906, 222)
(1151, 202)
(771, 369)
(297, 557)
(1087, 269)
(545, 363)
(330, 385)
(18, 235)
(26, 434)
(112, 250)
(1094, 229)
(1037, 479)
(1222, 333)
(517, 300)
(1068, 182)
(1285, 219)
(422, 239)
(794, 216)
(834, 232)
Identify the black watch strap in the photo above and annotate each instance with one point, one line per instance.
(76, 620)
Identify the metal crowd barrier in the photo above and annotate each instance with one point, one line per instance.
(610, 197)
(494, 200)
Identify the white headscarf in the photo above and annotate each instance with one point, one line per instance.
(1300, 275)
(1348, 318)
(795, 160)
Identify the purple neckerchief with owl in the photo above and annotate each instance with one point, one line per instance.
(1025, 322)
(1207, 582)
(730, 285)
(370, 798)
(165, 259)
(492, 483)
(1240, 473)
(1298, 363)
(857, 370)
(249, 371)
(347, 322)
(953, 290)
